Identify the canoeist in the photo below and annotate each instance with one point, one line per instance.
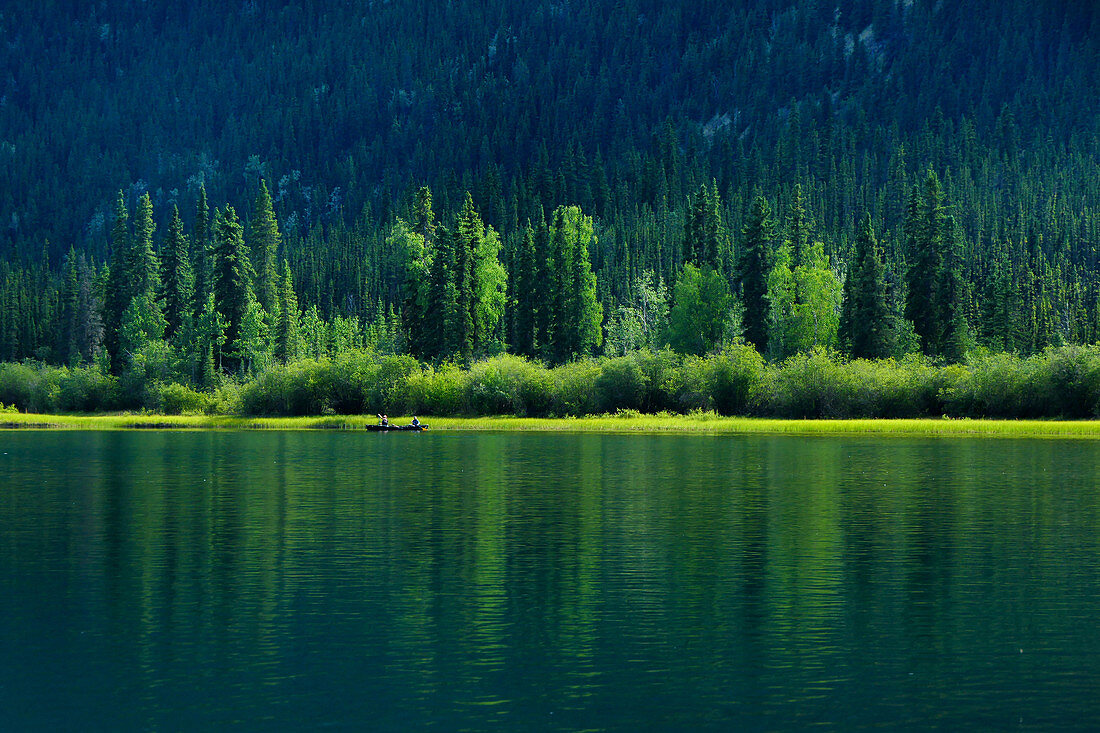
(415, 422)
(383, 420)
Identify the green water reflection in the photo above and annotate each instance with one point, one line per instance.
(520, 581)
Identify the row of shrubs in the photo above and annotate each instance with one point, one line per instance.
(1063, 382)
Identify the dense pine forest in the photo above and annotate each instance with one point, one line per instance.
(551, 208)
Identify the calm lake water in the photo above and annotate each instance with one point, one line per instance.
(529, 582)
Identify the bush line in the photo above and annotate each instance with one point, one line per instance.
(1061, 382)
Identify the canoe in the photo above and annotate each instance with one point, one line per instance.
(388, 428)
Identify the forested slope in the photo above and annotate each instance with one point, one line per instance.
(779, 148)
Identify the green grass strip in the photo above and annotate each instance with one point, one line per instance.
(702, 423)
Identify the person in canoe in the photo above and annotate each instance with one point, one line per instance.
(383, 420)
(415, 422)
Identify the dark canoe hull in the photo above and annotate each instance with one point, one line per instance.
(392, 428)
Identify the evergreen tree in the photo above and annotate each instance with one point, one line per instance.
(66, 344)
(264, 243)
(440, 335)
(423, 220)
(134, 282)
(288, 337)
(119, 290)
(703, 231)
(87, 334)
(758, 239)
(179, 280)
(799, 225)
(417, 242)
(209, 342)
(416, 285)
(143, 268)
(203, 252)
(544, 296)
(232, 279)
(467, 234)
(924, 227)
(577, 314)
(527, 296)
(951, 296)
(866, 327)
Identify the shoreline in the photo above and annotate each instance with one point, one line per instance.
(699, 424)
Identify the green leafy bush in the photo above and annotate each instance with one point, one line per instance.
(575, 388)
(178, 399)
(508, 385)
(733, 378)
(439, 391)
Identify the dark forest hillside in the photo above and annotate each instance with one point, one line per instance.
(353, 103)
(961, 138)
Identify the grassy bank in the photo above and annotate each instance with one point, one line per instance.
(703, 423)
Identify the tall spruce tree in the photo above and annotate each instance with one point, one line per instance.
(87, 328)
(118, 289)
(416, 283)
(703, 230)
(472, 271)
(232, 280)
(757, 243)
(440, 331)
(924, 228)
(544, 295)
(143, 267)
(423, 218)
(203, 252)
(866, 327)
(799, 225)
(264, 245)
(179, 280)
(467, 234)
(210, 339)
(575, 328)
(953, 334)
(66, 336)
(527, 296)
(288, 335)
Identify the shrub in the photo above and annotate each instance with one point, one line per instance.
(621, 384)
(663, 379)
(733, 378)
(87, 389)
(345, 381)
(440, 391)
(226, 399)
(178, 399)
(1072, 381)
(508, 385)
(17, 385)
(813, 384)
(693, 388)
(389, 386)
(574, 388)
(998, 385)
(298, 388)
